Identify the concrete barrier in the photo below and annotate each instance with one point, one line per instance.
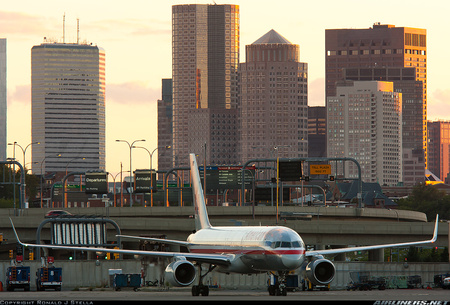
(92, 274)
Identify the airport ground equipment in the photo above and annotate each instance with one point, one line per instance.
(48, 276)
(308, 285)
(17, 275)
(363, 281)
(127, 280)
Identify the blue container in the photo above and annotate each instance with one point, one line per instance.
(127, 280)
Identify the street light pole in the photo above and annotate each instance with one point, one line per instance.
(151, 167)
(24, 167)
(24, 150)
(131, 172)
(42, 162)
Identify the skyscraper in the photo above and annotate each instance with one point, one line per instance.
(439, 143)
(381, 46)
(165, 105)
(274, 104)
(364, 123)
(205, 58)
(3, 105)
(317, 132)
(68, 107)
(404, 80)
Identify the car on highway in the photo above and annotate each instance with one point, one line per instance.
(57, 213)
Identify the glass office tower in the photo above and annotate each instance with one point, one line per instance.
(205, 58)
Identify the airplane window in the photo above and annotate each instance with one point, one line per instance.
(281, 238)
(281, 244)
(296, 244)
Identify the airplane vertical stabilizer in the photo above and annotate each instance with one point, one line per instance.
(201, 215)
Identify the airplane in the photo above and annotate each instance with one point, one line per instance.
(276, 250)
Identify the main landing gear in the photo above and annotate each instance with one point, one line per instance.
(277, 284)
(201, 289)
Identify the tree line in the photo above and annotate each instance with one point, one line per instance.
(427, 199)
(7, 187)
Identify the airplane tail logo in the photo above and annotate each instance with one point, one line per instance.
(201, 214)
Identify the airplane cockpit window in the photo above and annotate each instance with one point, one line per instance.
(282, 238)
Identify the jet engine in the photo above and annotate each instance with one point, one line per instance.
(320, 271)
(180, 273)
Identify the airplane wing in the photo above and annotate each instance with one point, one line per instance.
(159, 240)
(216, 259)
(363, 248)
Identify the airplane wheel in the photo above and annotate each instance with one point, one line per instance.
(272, 289)
(281, 291)
(195, 291)
(200, 290)
(204, 291)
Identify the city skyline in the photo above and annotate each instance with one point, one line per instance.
(137, 41)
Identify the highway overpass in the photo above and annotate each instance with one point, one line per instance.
(319, 226)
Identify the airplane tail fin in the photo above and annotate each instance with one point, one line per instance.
(201, 214)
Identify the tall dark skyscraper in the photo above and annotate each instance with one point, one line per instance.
(439, 142)
(317, 132)
(382, 45)
(205, 58)
(165, 106)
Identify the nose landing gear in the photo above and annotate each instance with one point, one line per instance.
(277, 284)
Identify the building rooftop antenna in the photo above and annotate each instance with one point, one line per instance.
(64, 28)
(78, 30)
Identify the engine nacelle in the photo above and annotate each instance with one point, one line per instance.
(320, 271)
(180, 273)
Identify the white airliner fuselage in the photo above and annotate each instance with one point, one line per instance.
(254, 249)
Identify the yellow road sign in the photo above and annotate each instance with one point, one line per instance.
(320, 169)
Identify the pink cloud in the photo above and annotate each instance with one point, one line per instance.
(20, 23)
(19, 95)
(438, 105)
(316, 92)
(134, 27)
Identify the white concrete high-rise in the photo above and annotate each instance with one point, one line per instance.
(68, 107)
(3, 105)
(364, 123)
